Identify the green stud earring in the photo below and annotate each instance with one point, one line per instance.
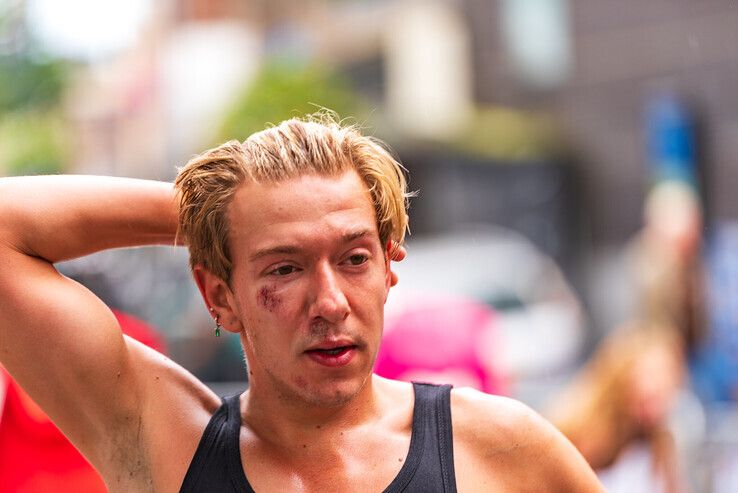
(217, 323)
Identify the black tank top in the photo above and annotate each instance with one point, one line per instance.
(429, 466)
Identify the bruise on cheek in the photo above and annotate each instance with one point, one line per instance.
(268, 299)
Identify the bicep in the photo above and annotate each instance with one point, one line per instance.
(64, 347)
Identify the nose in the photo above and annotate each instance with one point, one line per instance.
(329, 303)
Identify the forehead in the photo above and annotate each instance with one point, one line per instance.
(308, 207)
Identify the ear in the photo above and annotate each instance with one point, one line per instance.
(388, 275)
(218, 298)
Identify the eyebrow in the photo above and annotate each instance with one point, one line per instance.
(281, 249)
(355, 235)
(293, 249)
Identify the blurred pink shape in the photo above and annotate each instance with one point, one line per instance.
(441, 340)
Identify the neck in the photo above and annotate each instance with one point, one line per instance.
(284, 419)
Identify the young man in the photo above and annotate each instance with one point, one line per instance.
(290, 234)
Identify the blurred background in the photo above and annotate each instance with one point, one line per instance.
(574, 239)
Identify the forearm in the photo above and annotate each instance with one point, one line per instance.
(62, 217)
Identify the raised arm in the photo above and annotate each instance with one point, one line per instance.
(58, 340)
(57, 218)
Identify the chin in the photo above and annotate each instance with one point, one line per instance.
(331, 393)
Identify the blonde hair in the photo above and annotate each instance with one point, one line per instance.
(592, 412)
(317, 144)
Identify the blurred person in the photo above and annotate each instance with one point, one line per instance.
(35, 457)
(663, 266)
(667, 261)
(290, 235)
(616, 410)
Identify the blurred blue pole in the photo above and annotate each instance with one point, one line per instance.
(670, 140)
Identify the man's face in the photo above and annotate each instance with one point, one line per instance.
(309, 282)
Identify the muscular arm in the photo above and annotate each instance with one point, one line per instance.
(57, 218)
(57, 339)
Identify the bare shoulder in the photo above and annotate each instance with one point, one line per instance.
(500, 424)
(501, 444)
(396, 400)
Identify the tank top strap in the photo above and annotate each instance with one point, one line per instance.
(435, 402)
(430, 463)
(233, 445)
(216, 465)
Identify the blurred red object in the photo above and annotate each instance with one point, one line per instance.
(35, 457)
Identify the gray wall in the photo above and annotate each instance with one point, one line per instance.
(625, 51)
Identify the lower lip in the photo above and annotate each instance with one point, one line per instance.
(333, 360)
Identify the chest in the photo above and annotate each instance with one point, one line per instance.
(369, 463)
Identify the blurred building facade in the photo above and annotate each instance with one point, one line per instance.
(622, 54)
(163, 97)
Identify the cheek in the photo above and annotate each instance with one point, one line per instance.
(268, 299)
(367, 300)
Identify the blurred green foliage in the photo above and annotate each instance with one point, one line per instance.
(32, 142)
(285, 90)
(27, 83)
(510, 135)
(32, 135)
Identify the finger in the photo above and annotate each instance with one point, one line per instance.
(398, 252)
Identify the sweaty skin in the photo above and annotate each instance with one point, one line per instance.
(138, 416)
